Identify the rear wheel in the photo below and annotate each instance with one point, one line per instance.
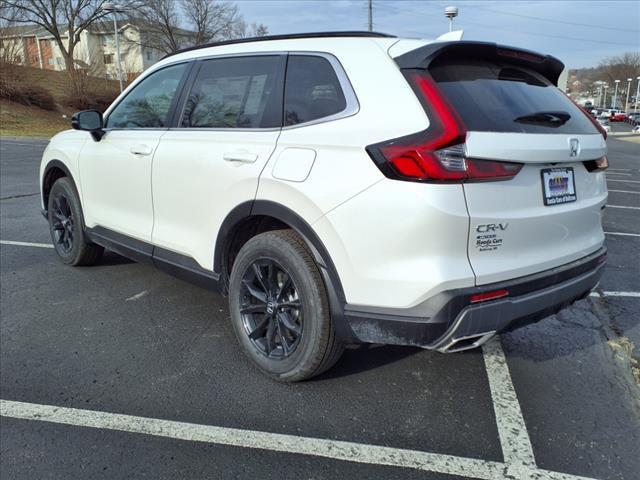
(279, 308)
(66, 226)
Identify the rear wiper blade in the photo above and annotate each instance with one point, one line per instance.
(547, 119)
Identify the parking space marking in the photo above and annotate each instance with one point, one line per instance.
(615, 294)
(623, 206)
(623, 181)
(277, 442)
(514, 438)
(26, 244)
(623, 234)
(624, 191)
(617, 173)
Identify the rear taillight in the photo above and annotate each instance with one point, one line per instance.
(597, 165)
(436, 154)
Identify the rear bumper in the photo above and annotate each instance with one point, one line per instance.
(449, 321)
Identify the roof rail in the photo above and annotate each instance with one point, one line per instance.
(290, 36)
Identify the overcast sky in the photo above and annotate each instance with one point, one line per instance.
(580, 33)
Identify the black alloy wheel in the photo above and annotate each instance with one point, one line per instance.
(271, 309)
(62, 222)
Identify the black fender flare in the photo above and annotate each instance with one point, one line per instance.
(321, 256)
(56, 164)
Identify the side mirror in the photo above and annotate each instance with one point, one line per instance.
(90, 121)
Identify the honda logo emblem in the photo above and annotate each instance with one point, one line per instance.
(574, 147)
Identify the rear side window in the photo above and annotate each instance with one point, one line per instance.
(497, 97)
(312, 90)
(240, 92)
(149, 102)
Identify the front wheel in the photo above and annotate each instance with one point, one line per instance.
(66, 226)
(279, 308)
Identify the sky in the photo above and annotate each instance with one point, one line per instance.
(580, 33)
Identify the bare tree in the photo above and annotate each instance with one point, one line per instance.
(65, 20)
(159, 24)
(212, 20)
(621, 67)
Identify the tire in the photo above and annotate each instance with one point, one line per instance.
(66, 225)
(279, 308)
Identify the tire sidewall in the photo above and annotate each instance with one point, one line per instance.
(64, 186)
(314, 309)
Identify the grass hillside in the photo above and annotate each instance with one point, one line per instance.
(21, 121)
(17, 119)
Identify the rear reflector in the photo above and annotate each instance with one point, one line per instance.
(486, 296)
(437, 154)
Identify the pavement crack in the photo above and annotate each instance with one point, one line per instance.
(19, 196)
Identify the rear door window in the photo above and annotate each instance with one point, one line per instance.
(239, 92)
(498, 97)
(312, 90)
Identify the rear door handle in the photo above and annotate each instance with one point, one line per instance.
(141, 149)
(244, 157)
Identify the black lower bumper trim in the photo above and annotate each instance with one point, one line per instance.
(456, 324)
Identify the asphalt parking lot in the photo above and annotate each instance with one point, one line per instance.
(120, 371)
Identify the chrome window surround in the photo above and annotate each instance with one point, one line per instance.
(352, 105)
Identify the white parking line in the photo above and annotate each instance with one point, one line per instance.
(617, 173)
(276, 442)
(26, 244)
(623, 206)
(624, 191)
(623, 181)
(623, 234)
(514, 438)
(615, 294)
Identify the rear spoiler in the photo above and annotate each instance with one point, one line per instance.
(546, 65)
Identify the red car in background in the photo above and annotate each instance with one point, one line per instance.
(618, 116)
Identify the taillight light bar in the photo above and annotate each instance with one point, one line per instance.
(597, 165)
(437, 154)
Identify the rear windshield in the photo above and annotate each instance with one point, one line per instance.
(498, 97)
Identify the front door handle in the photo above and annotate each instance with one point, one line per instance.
(244, 157)
(141, 149)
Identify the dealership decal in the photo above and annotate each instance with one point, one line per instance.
(487, 239)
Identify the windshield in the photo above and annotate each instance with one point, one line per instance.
(498, 97)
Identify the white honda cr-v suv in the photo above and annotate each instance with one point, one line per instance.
(343, 188)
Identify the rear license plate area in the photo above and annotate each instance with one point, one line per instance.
(558, 186)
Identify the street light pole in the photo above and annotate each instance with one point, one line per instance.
(114, 9)
(635, 104)
(626, 104)
(615, 96)
(604, 104)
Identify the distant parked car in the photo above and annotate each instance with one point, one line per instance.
(636, 129)
(618, 116)
(633, 118)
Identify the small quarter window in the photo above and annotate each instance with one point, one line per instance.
(241, 92)
(312, 90)
(148, 104)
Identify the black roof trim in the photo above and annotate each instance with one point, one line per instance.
(422, 57)
(290, 36)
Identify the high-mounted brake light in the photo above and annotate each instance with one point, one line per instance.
(529, 57)
(438, 153)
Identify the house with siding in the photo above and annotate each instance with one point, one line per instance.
(33, 46)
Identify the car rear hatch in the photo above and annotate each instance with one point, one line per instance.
(541, 208)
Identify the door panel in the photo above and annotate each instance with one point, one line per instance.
(116, 182)
(195, 186)
(229, 127)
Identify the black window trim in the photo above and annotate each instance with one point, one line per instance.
(352, 106)
(174, 102)
(186, 91)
